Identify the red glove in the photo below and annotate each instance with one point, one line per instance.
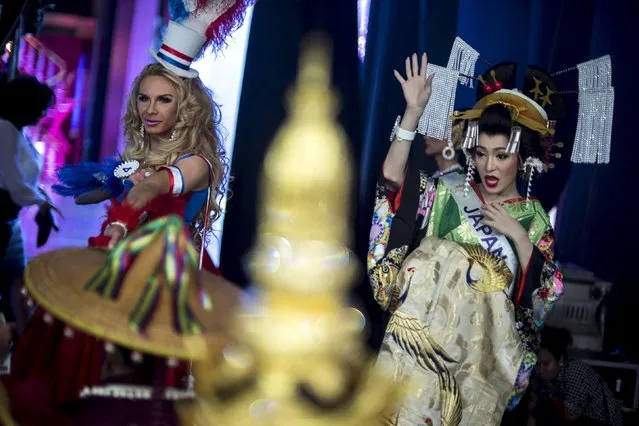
(164, 205)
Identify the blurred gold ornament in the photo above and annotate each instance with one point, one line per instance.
(5, 410)
(299, 359)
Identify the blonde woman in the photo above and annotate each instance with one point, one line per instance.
(171, 132)
(174, 163)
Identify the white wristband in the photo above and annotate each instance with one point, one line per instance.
(400, 133)
(120, 225)
(405, 134)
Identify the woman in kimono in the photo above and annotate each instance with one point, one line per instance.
(465, 270)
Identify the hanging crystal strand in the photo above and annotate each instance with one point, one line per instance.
(596, 73)
(435, 121)
(580, 149)
(607, 112)
(555, 74)
(596, 107)
(462, 59)
(594, 126)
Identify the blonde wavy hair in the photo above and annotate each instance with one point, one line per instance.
(196, 131)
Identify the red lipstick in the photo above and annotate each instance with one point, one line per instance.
(491, 181)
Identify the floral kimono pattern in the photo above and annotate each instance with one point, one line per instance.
(446, 294)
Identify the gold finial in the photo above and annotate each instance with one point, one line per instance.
(300, 358)
(5, 410)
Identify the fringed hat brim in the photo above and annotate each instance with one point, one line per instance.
(56, 280)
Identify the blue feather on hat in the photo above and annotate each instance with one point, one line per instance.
(177, 11)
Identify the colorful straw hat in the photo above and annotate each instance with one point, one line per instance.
(146, 294)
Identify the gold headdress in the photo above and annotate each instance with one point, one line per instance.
(524, 110)
(300, 360)
(539, 106)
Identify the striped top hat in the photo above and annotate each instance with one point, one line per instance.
(195, 25)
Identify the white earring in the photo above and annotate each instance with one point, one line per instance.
(532, 165)
(469, 174)
(449, 152)
(142, 135)
(173, 135)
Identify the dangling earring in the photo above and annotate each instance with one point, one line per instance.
(449, 152)
(532, 165)
(142, 135)
(172, 135)
(470, 164)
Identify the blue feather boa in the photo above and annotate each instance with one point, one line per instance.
(77, 179)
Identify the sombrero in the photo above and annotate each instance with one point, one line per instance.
(146, 294)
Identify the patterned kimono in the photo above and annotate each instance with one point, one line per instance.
(462, 315)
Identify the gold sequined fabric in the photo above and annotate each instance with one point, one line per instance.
(453, 335)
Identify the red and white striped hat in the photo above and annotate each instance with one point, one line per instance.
(181, 45)
(194, 25)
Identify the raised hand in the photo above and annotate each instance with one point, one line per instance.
(416, 87)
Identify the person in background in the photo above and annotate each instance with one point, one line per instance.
(23, 102)
(567, 391)
(445, 155)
